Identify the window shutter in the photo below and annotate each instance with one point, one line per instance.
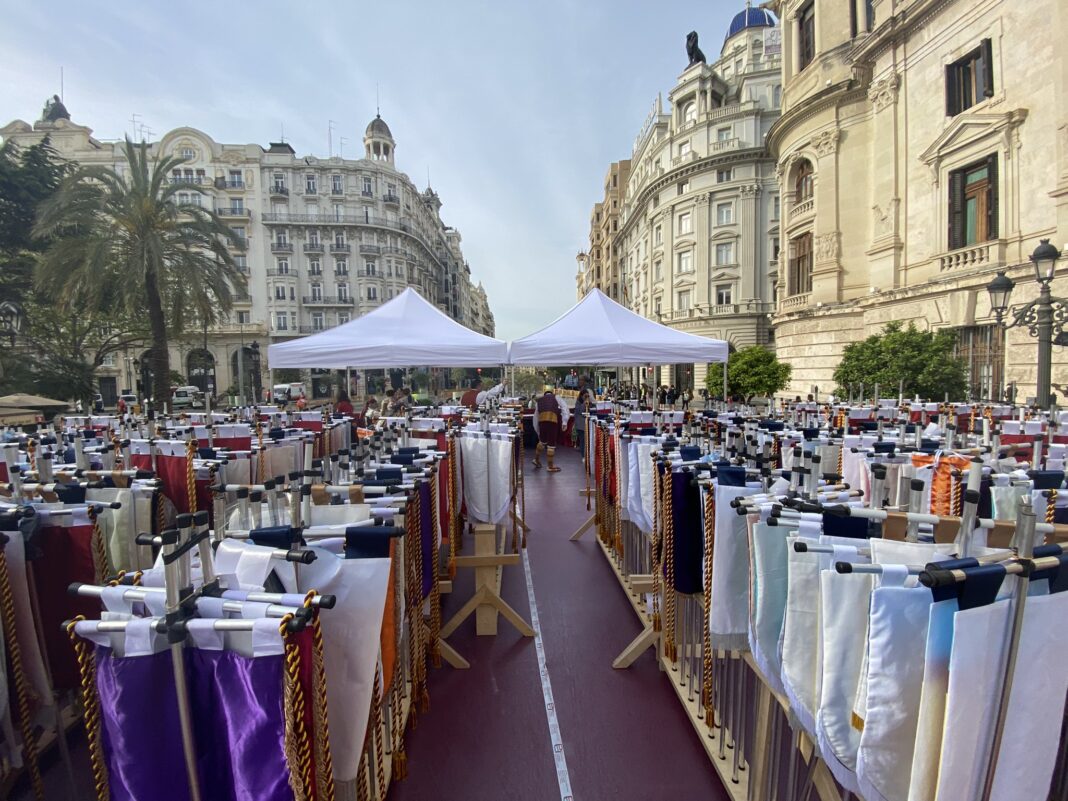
(986, 67)
(951, 90)
(956, 209)
(992, 196)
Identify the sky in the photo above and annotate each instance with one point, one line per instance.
(516, 109)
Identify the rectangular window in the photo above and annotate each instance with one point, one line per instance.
(337, 186)
(685, 223)
(775, 207)
(279, 292)
(979, 350)
(341, 267)
(317, 321)
(280, 180)
(339, 238)
(317, 291)
(281, 321)
(292, 293)
(973, 203)
(724, 213)
(372, 293)
(315, 267)
(657, 308)
(313, 237)
(722, 176)
(283, 267)
(342, 317)
(684, 148)
(684, 187)
(367, 188)
(725, 253)
(658, 271)
(309, 184)
(806, 36)
(281, 237)
(723, 294)
(799, 277)
(682, 300)
(724, 134)
(241, 262)
(368, 268)
(342, 291)
(400, 269)
(658, 235)
(970, 80)
(684, 262)
(244, 317)
(869, 15)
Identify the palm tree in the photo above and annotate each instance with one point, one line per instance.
(120, 240)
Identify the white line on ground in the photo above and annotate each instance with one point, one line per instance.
(562, 776)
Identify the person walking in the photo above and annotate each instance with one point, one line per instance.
(550, 418)
(343, 405)
(672, 396)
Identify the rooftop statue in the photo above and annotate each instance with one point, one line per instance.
(692, 50)
(54, 110)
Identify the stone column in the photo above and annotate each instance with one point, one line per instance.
(748, 244)
(826, 245)
(885, 252)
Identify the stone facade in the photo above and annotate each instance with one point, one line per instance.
(877, 147)
(697, 237)
(325, 239)
(602, 266)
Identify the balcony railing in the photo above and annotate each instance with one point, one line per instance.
(271, 272)
(197, 180)
(391, 198)
(279, 189)
(239, 242)
(281, 247)
(794, 302)
(802, 208)
(313, 247)
(370, 249)
(233, 183)
(723, 145)
(337, 190)
(240, 297)
(234, 212)
(346, 248)
(684, 159)
(367, 193)
(723, 112)
(327, 300)
(981, 254)
(314, 329)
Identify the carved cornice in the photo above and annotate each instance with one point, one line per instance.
(826, 143)
(883, 92)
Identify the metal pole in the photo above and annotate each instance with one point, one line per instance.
(1044, 324)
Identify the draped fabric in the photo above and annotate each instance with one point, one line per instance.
(767, 601)
(688, 540)
(426, 535)
(65, 557)
(729, 619)
(238, 725)
(141, 734)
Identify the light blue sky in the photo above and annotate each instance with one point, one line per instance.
(516, 108)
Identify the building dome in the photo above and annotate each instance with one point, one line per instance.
(378, 127)
(750, 18)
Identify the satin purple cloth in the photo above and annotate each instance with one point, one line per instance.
(426, 534)
(239, 728)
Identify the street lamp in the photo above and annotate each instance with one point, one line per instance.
(256, 389)
(1044, 318)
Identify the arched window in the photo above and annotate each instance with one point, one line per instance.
(689, 114)
(200, 370)
(803, 181)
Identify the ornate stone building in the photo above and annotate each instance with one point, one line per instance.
(922, 147)
(601, 266)
(697, 242)
(324, 240)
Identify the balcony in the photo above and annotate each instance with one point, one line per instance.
(684, 159)
(281, 247)
(240, 297)
(326, 300)
(370, 249)
(313, 329)
(238, 242)
(342, 249)
(273, 272)
(367, 193)
(313, 247)
(391, 199)
(973, 257)
(725, 145)
(195, 180)
(234, 212)
(234, 183)
(724, 112)
(280, 189)
(337, 190)
(794, 302)
(802, 209)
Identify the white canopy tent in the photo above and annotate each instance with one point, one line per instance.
(597, 330)
(407, 331)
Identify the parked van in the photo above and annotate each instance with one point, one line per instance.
(285, 393)
(187, 398)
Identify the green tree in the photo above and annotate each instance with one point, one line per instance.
(923, 362)
(751, 371)
(121, 240)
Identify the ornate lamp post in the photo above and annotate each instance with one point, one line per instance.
(1044, 318)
